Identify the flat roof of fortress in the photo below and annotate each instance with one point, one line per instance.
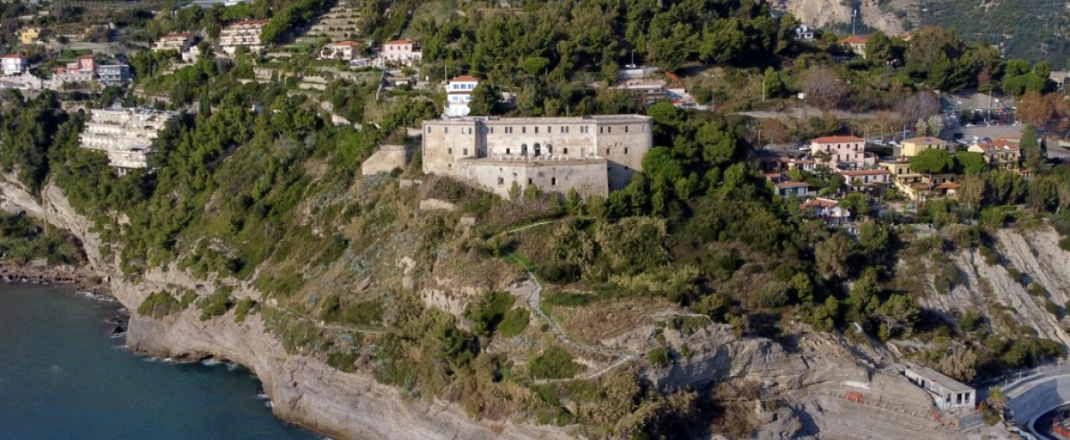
(551, 120)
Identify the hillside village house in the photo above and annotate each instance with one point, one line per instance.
(400, 52)
(1000, 154)
(126, 135)
(176, 42)
(242, 34)
(114, 73)
(459, 94)
(31, 35)
(343, 50)
(870, 178)
(14, 64)
(785, 187)
(914, 146)
(843, 151)
(826, 209)
(856, 44)
(82, 69)
(804, 33)
(593, 154)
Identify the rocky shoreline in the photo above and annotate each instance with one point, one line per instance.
(82, 278)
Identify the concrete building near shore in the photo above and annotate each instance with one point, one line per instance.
(945, 391)
(593, 154)
(126, 135)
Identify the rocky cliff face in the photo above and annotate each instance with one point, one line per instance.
(303, 390)
(821, 13)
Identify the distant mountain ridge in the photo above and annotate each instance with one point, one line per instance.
(1031, 29)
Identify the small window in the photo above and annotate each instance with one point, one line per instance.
(523, 130)
(609, 129)
(507, 151)
(553, 181)
(449, 151)
(601, 129)
(549, 149)
(428, 129)
(625, 128)
(645, 128)
(536, 130)
(501, 181)
(446, 130)
(529, 181)
(549, 130)
(607, 151)
(625, 150)
(465, 151)
(523, 149)
(565, 151)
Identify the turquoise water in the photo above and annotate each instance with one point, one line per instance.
(62, 376)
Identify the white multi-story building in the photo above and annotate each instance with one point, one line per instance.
(343, 50)
(14, 64)
(242, 34)
(403, 52)
(459, 94)
(127, 135)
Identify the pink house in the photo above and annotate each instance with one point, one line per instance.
(845, 151)
(401, 52)
(868, 178)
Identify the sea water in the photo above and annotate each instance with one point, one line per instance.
(63, 375)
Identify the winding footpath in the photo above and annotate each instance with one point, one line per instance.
(531, 291)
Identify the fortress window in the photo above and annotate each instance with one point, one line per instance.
(625, 150)
(566, 151)
(537, 148)
(625, 128)
(501, 181)
(523, 130)
(553, 181)
(523, 149)
(446, 130)
(507, 151)
(549, 129)
(536, 130)
(529, 181)
(428, 129)
(449, 151)
(549, 149)
(609, 129)
(465, 151)
(601, 129)
(645, 128)
(607, 151)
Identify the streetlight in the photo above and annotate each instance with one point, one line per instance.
(633, 59)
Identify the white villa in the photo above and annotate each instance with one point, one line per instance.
(459, 93)
(14, 64)
(127, 135)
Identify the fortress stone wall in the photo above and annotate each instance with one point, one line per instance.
(594, 154)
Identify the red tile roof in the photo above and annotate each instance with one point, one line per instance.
(13, 55)
(466, 78)
(819, 202)
(837, 139)
(349, 43)
(947, 185)
(1000, 144)
(855, 39)
(398, 42)
(792, 185)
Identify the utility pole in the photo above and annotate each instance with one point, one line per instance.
(854, 13)
(763, 88)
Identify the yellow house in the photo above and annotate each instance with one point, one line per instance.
(913, 146)
(30, 35)
(999, 154)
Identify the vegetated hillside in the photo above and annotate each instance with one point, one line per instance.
(1030, 29)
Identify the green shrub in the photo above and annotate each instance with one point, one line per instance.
(1036, 289)
(1053, 308)
(567, 299)
(514, 323)
(343, 361)
(159, 304)
(188, 298)
(554, 363)
(488, 311)
(1064, 243)
(660, 356)
(244, 308)
(216, 304)
(990, 256)
(1016, 276)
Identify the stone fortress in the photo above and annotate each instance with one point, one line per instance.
(593, 154)
(127, 135)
